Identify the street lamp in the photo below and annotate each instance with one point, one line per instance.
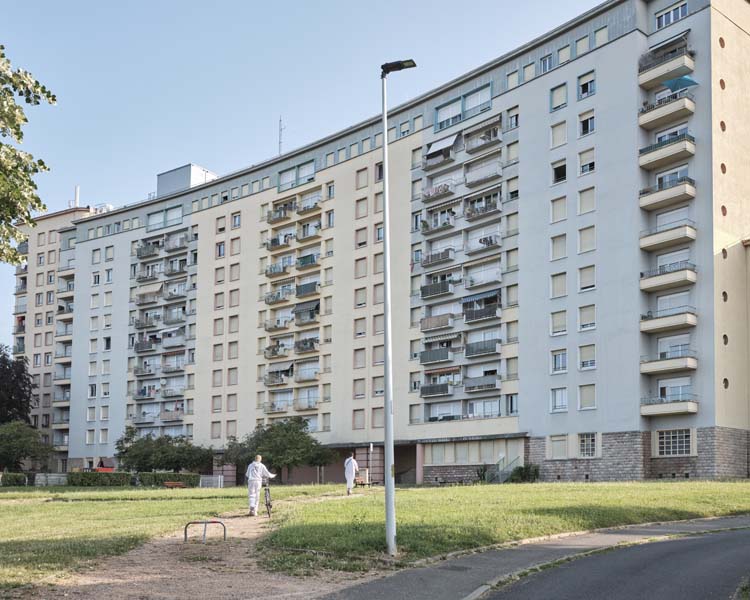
(388, 474)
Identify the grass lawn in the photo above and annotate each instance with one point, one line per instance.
(48, 531)
(432, 521)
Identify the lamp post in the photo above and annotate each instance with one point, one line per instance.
(388, 467)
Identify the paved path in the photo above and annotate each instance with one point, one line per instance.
(694, 568)
(471, 575)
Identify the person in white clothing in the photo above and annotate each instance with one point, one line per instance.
(256, 472)
(351, 468)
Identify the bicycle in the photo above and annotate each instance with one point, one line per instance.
(267, 496)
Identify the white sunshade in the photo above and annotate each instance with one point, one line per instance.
(439, 145)
(149, 289)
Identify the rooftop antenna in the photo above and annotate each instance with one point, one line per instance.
(281, 129)
(77, 196)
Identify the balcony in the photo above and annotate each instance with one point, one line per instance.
(307, 289)
(275, 407)
(436, 322)
(669, 276)
(175, 293)
(145, 418)
(679, 358)
(671, 404)
(480, 314)
(19, 309)
(277, 296)
(435, 389)
(145, 346)
(438, 257)
(171, 415)
(23, 247)
(19, 329)
(306, 403)
(174, 318)
(672, 191)
(61, 399)
(145, 322)
(306, 345)
(279, 242)
(481, 175)
(60, 444)
(23, 269)
(145, 394)
(173, 270)
(172, 392)
(477, 143)
(147, 250)
(436, 226)
(482, 348)
(472, 213)
(433, 290)
(669, 319)
(658, 67)
(471, 282)
(177, 244)
(309, 205)
(481, 384)
(438, 355)
(69, 266)
(276, 269)
(274, 378)
(486, 242)
(66, 289)
(306, 376)
(150, 275)
(278, 215)
(168, 368)
(308, 233)
(276, 351)
(19, 348)
(438, 191)
(276, 324)
(141, 299)
(681, 231)
(173, 341)
(669, 109)
(64, 332)
(21, 289)
(438, 159)
(64, 355)
(308, 261)
(306, 317)
(673, 149)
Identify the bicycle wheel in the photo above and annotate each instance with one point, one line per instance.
(268, 502)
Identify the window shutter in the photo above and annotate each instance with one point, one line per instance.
(559, 134)
(558, 321)
(588, 353)
(512, 79)
(582, 45)
(559, 211)
(559, 96)
(587, 239)
(512, 151)
(587, 396)
(601, 36)
(558, 247)
(558, 285)
(587, 315)
(586, 201)
(529, 71)
(563, 55)
(587, 277)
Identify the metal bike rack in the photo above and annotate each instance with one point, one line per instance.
(205, 527)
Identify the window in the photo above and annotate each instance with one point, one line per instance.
(360, 208)
(96, 256)
(558, 247)
(215, 430)
(559, 361)
(673, 442)
(378, 355)
(91, 413)
(360, 267)
(586, 278)
(232, 376)
(558, 97)
(512, 79)
(220, 250)
(360, 238)
(358, 418)
(586, 160)
(587, 356)
(559, 399)
(558, 324)
(361, 179)
(513, 117)
(559, 171)
(670, 15)
(558, 210)
(563, 55)
(558, 287)
(360, 297)
(90, 436)
(359, 358)
(109, 253)
(234, 297)
(221, 224)
(377, 418)
(586, 201)
(582, 45)
(448, 115)
(601, 37)
(330, 190)
(587, 317)
(529, 71)
(378, 291)
(103, 436)
(586, 123)
(586, 85)
(545, 64)
(586, 239)
(378, 324)
(379, 167)
(586, 445)
(234, 246)
(219, 300)
(559, 134)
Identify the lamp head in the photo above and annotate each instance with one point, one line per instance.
(397, 65)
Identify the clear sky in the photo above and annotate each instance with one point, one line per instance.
(145, 86)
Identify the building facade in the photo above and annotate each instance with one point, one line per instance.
(569, 278)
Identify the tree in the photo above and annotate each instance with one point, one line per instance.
(284, 444)
(18, 196)
(163, 453)
(16, 391)
(18, 442)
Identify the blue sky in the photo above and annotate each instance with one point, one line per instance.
(143, 87)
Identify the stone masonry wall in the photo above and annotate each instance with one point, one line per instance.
(436, 474)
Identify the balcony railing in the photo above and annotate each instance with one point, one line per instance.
(19, 348)
(670, 268)
(21, 289)
(308, 260)
(19, 309)
(172, 392)
(177, 292)
(668, 226)
(478, 384)
(306, 345)
(276, 324)
(437, 159)
(147, 250)
(479, 175)
(436, 322)
(19, 329)
(145, 394)
(150, 275)
(307, 289)
(275, 378)
(144, 346)
(174, 341)
(308, 205)
(668, 312)
(477, 142)
(666, 100)
(667, 142)
(172, 368)
(23, 247)
(483, 243)
(680, 351)
(304, 376)
(475, 212)
(279, 214)
(435, 389)
(280, 241)
(478, 314)
(670, 398)
(276, 269)
(436, 289)
(66, 287)
(276, 351)
(64, 397)
(66, 353)
(482, 347)
(146, 298)
(649, 61)
(171, 415)
(666, 184)
(308, 233)
(144, 371)
(306, 403)
(174, 318)
(145, 322)
(303, 318)
(178, 243)
(65, 331)
(438, 191)
(275, 407)
(60, 420)
(277, 296)
(436, 355)
(178, 269)
(433, 226)
(438, 257)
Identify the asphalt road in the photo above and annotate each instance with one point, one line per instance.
(692, 568)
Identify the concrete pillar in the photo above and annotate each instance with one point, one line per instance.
(420, 464)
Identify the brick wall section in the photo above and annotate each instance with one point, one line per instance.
(435, 474)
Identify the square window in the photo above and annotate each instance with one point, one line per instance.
(586, 445)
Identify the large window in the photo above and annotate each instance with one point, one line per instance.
(448, 115)
(559, 399)
(672, 14)
(463, 108)
(674, 442)
(298, 175)
(587, 445)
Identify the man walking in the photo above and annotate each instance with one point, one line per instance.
(255, 473)
(351, 468)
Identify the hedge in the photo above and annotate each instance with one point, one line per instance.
(158, 479)
(12, 479)
(95, 479)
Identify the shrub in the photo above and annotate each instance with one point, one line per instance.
(158, 479)
(526, 473)
(94, 479)
(12, 479)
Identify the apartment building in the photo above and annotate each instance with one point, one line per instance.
(41, 319)
(569, 272)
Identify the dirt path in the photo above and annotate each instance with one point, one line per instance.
(168, 568)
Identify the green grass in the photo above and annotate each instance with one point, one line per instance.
(49, 531)
(349, 533)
